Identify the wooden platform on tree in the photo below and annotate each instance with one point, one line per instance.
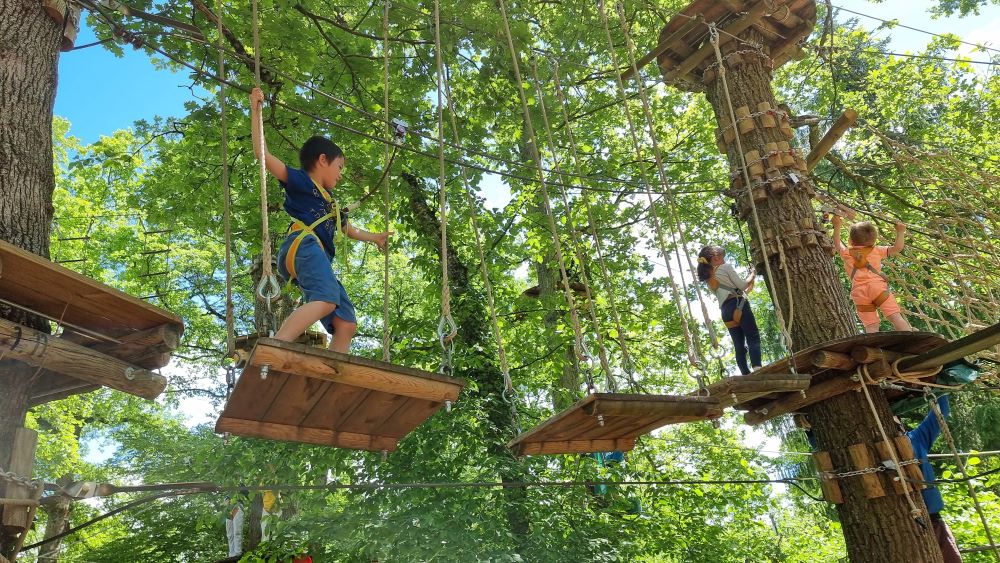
(683, 49)
(822, 385)
(316, 396)
(611, 421)
(93, 315)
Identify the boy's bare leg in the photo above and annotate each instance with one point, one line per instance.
(872, 327)
(303, 318)
(899, 322)
(343, 332)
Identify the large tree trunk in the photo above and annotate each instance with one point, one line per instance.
(56, 522)
(806, 286)
(29, 50)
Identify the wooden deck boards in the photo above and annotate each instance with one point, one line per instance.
(682, 52)
(625, 417)
(316, 396)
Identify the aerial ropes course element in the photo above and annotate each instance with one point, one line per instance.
(294, 392)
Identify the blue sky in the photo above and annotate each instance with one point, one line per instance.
(100, 93)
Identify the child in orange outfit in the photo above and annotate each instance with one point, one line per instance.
(869, 286)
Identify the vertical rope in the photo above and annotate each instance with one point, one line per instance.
(268, 289)
(533, 147)
(946, 432)
(627, 362)
(447, 322)
(654, 215)
(602, 351)
(785, 327)
(226, 197)
(386, 329)
(676, 223)
(508, 384)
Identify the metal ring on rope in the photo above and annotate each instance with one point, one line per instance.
(268, 289)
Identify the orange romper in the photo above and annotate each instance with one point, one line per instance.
(869, 289)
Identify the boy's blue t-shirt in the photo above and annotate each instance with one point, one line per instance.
(922, 437)
(304, 202)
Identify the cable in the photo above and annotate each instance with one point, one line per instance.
(897, 24)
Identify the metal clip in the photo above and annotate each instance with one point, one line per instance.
(447, 406)
(264, 369)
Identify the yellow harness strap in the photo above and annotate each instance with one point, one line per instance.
(307, 230)
(860, 256)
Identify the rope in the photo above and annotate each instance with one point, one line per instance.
(782, 325)
(960, 463)
(574, 237)
(386, 329)
(447, 330)
(226, 196)
(268, 290)
(627, 361)
(915, 511)
(508, 385)
(675, 292)
(677, 226)
(547, 204)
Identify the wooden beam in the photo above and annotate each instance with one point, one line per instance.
(351, 370)
(826, 359)
(319, 436)
(41, 350)
(575, 446)
(149, 348)
(831, 488)
(727, 34)
(683, 406)
(664, 45)
(862, 459)
(958, 349)
(794, 401)
(846, 121)
(53, 386)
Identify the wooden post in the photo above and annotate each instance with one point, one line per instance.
(833, 360)
(41, 350)
(15, 516)
(846, 121)
(862, 459)
(831, 489)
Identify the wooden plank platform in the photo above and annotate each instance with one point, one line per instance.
(317, 396)
(825, 382)
(611, 421)
(683, 50)
(94, 315)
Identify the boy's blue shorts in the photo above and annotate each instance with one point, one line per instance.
(316, 279)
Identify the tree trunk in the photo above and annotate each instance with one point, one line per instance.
(474, 334)
(806, 287)
(57, 522)
(29, 50)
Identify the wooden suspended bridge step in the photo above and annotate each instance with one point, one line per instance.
(683, 50)
(604, 422)
(292, 392)
(829, 367)
(95, 316)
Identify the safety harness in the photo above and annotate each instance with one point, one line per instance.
(860, 256)
(304, 231)
(713, 284)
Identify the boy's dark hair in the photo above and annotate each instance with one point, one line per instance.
(705, 260)
(315, 146)
(863, 234)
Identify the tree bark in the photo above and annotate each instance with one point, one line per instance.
(57, 522)
(29, 51)
(806, 287)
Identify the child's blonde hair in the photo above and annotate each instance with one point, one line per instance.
(863, 234)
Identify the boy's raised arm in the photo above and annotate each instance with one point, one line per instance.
(273, 163)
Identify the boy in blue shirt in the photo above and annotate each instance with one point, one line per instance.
(922, 437)
(307, 254)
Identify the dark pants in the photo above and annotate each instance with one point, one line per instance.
(946, 541)
(746, 337)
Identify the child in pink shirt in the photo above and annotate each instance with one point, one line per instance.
(869, 286)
